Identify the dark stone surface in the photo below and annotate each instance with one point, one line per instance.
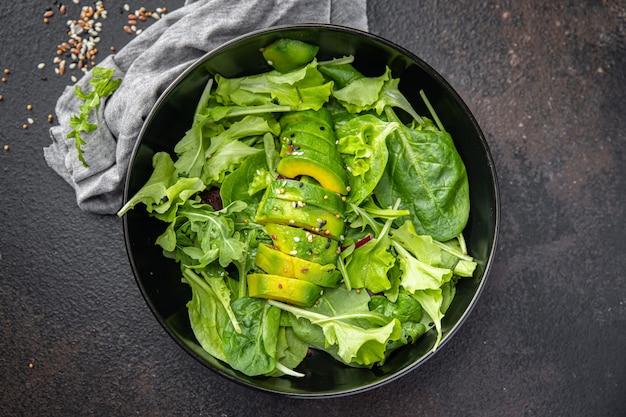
(545, 81)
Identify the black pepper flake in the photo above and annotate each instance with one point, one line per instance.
(301, 185)
(293, 135)
(322, 128)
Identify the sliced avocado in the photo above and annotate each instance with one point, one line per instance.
(288, 54)
(313, 218)
(275, 262)
(289, 290)
(305, 194)
(311, 128)
(303, 244)
(304, 142)
(329, 173)
(321, 116)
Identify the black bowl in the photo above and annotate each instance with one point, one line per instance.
(159, 278)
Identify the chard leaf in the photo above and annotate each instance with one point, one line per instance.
(426, 172)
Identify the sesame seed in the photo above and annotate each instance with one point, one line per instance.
(296, 239)
(30, 120)
(41, 65)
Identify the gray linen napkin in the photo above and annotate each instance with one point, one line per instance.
(147, 65)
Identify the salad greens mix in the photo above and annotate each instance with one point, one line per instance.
(369, 265)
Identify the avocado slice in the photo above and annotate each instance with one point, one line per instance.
(289, 290)
(329, 173)
(288, 54)
(307, 193)
(275, 262)
(309, 128)
(321, 116)
(303, 244)
(310, 217)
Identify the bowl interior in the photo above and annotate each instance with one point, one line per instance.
(159, 278)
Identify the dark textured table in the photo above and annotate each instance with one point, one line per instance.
(548, 336)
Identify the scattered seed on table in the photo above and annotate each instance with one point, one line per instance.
(24, 126)
(29, 107)
(50, 118)
(1, 97)
(41, 65)
(7, 71)
(6, 147)
(30, 120)
(4, 79)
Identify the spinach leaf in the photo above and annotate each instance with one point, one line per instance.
(426, 172)
(290, 351)
(207, 317)
(253, 351)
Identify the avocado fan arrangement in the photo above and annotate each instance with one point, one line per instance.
(310, 207)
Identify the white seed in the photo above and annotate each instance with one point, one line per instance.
(30, 120)
(41, 66)
(76, 1)
(126, 7)
(74, 79)
(296, 239)
(139, 31)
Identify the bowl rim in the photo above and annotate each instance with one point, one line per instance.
(423, 65)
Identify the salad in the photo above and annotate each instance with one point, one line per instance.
(311, 207)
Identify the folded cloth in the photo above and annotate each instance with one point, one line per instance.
(147, 65)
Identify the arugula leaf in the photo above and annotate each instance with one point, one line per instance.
(103, 86)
